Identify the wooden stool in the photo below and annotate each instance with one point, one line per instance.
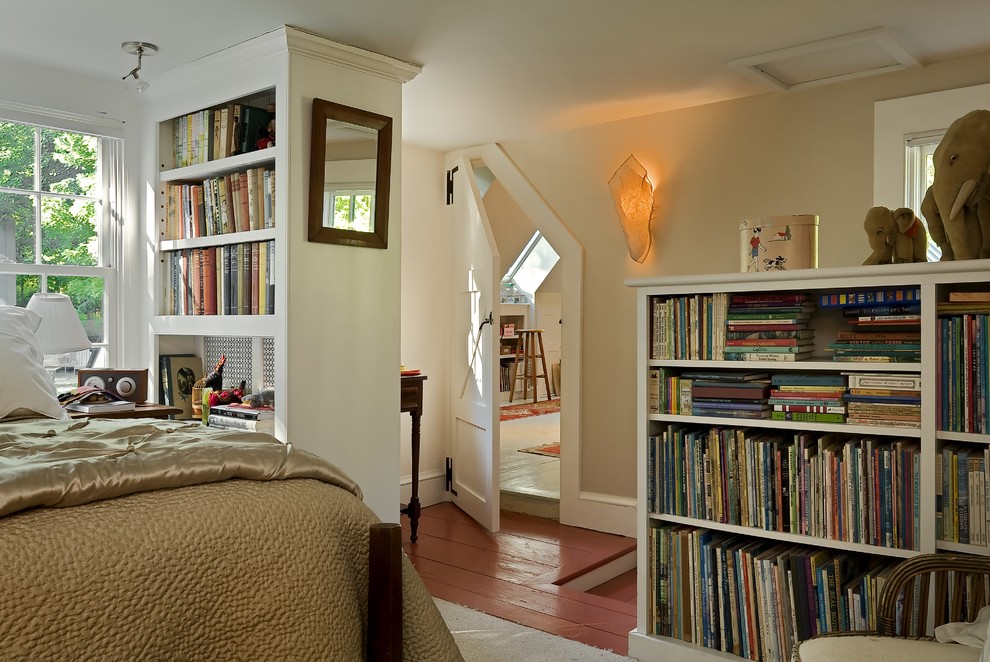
(526, 349)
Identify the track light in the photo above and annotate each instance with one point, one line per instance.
(139, 48)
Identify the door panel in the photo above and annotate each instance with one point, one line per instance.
(474, 374)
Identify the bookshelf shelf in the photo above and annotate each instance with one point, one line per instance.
(942, 392)
(794, 538)
(215, 325)
(218, 167)
(244, 237)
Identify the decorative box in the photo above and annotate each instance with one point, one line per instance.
(778, 243)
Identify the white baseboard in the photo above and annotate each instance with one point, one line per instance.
(431, 488)
(601, 512)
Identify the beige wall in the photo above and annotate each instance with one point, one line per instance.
(511, 226)
(809, 151)
(425, 319)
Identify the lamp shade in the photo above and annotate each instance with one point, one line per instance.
(60, 331)
(632, 193)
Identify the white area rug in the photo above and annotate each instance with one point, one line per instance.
(485, 638)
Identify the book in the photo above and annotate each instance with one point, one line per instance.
(913, 308)
(797, 334)
(809, 417)
(875, 296)
(243, 411)
(770, 349)
(768, 342)
(732, 413)
(807, 379)
(92, 399)
(766, 356)
(725, 375)
(909, 382)
(236, 423)
(179, 373)
(969, 296)
(814, 409)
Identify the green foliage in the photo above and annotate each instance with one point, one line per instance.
(68, 225)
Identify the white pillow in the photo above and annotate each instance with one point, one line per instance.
(24, 382)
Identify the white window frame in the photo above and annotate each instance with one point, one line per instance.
(350, 190)
(111, 210)
(897, 121)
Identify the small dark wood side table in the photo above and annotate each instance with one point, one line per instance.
(411, 390)
(141, 410)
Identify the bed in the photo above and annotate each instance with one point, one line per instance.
(142, 539)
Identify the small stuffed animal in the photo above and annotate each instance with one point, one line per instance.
(265, 398)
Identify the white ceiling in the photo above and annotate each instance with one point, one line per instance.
(496, 70)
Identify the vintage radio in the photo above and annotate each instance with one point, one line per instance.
(131, 385)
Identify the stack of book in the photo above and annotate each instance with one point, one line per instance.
(242, 417)
(727, 393)
(961, 512)
(963, 372)
(877, 346)
(769, 327)
(897, 311)
(885, 399)
(755, 598)
(811, 397)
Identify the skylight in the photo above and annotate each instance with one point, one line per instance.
(533, 265)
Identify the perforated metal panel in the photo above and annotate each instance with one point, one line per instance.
(241, 361)
(238, 353)
(268, 362)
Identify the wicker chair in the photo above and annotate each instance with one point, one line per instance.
(958, 584)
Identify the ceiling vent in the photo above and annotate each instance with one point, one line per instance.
(832, 60)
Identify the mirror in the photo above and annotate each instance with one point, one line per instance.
(350, 171)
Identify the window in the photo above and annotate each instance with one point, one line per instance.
(533, 264)
(58, 193)
(352, 208)
(905, 133)
(919, 175)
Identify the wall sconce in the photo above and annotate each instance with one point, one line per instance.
(139, 48)
(60, 332)
(633, 195)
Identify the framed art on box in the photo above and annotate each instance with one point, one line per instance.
(179, 374)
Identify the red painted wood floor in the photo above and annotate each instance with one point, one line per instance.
(514, 574)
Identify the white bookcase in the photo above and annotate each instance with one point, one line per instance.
(321, 333)
(934, 282)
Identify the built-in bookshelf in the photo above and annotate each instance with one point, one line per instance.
(800, 433)
(316, 324)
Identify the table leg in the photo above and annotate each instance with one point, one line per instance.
(413, 507)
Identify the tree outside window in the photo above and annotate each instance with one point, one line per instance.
(52, 216)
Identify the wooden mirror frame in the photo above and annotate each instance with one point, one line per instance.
(324, 111)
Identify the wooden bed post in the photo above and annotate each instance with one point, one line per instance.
(385, 593)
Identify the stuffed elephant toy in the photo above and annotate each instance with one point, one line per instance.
(957, 204)
(895, 236)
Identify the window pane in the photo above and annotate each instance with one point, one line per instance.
(362, 213)
(68, 232)
(87, 294)
(68, 162)
(17, 228)
(16, 156)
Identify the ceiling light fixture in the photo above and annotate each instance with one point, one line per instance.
(139, 48)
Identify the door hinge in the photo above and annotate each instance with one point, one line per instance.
(450, 185)
(449, 477)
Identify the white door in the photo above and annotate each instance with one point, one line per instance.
(474, 456)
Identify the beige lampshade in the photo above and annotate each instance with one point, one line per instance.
(61, 331)
(632, 193)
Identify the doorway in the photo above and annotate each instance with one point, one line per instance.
(494, 175)
(529, 420)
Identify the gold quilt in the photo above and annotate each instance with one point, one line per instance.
(156, 540)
